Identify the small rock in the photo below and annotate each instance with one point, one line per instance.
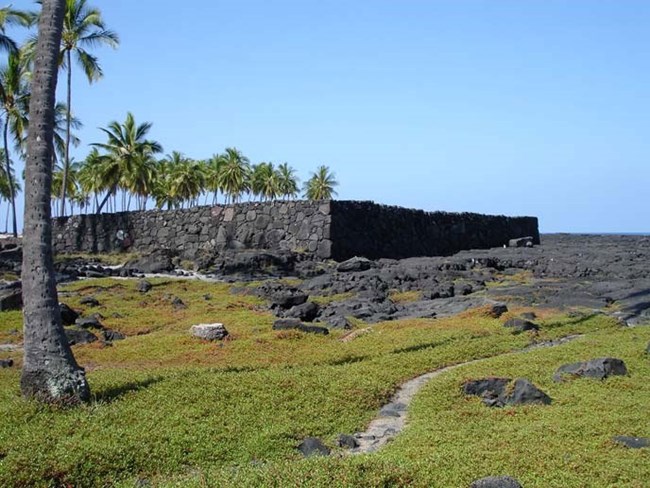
(632, 442)
(306, 312)
(11, 299)
(520, 325)
(497, 310)
(312, 446)
(392, 410)
(112, 335)
(207, 297)
(528, 315)
(347, 441)
(89, 301)
(91, 322)
(285, 299)
(209, 332)
(499, 392)
(496, 482)
(6, 363)
(355, 264)
(143, 286)
(521, 242)
(68, 315)
(178, 304)
(79, 336)
(600, 368)
(296, 324)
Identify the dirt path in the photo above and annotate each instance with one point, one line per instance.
(392, 416)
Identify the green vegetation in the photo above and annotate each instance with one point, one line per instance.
(182, 412)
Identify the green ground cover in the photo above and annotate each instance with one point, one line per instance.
(177, 411)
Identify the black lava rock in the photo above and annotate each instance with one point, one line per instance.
(112, 335)
(496, 482)
(89, 301)
(600, 369)
(520, 325)
(306, 312)
(347, 441)
(632, 442)
(499, 392)
(6, 363)
(312, 446)
(143, 286)
(68, 315)
(79, 336)
(91, 322)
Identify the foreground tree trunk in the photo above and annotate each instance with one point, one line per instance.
(50, 372)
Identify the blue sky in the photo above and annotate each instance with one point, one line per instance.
(518, 107)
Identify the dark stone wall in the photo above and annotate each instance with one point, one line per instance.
(376, 231)
(336, 229)
(296, 226)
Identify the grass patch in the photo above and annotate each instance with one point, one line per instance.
(401, 297)
(178, 411)
(324, 300)
(108, 259)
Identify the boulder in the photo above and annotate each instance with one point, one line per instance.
(143, 286)
(11, 299)
(632, 442)
(112, 335)
(496, 482)
(159, 261)
(497, 310)
(178, 304)
(499, 392)
(312, 446)
(599, 368)
(519, 325)
(6, 363)
(79, 336)
(355, 264)
(296, 324)
(287, 298)
(209, 332)
(347, 441)
(91, 322)
(527, 241)
(68, 315)
(89, 301)
(306, 312)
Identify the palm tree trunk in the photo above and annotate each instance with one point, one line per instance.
(108, 195)
(66, 163)
(10, 180)
(50, 372)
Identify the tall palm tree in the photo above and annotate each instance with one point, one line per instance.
(10, 16)
(127, 151)
(236, 171)
(264, 181)
(186, 177)
(91, 176)
(213, 169)
(83, 28)
(5, 190)
(50, 372)
(287, 181)
(13, 95)
(321, 185)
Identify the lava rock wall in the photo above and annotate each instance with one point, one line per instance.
(326, 230)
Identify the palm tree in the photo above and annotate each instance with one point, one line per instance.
(264, 181)
(9, 16)
(90, 175)
(287, 181)
(186, 177)
(5, 190)
(213, 169)
(50, 372)
(13, 92)
(83, 28)
(127, 152)
(321, 185)
(235, 178)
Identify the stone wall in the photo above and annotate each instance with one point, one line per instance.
(336, 229)
(376, 231)
(296, 226)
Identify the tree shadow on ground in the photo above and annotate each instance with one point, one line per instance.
(109, 395)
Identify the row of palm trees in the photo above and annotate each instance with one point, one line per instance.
(124, 171)
(83, 29)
